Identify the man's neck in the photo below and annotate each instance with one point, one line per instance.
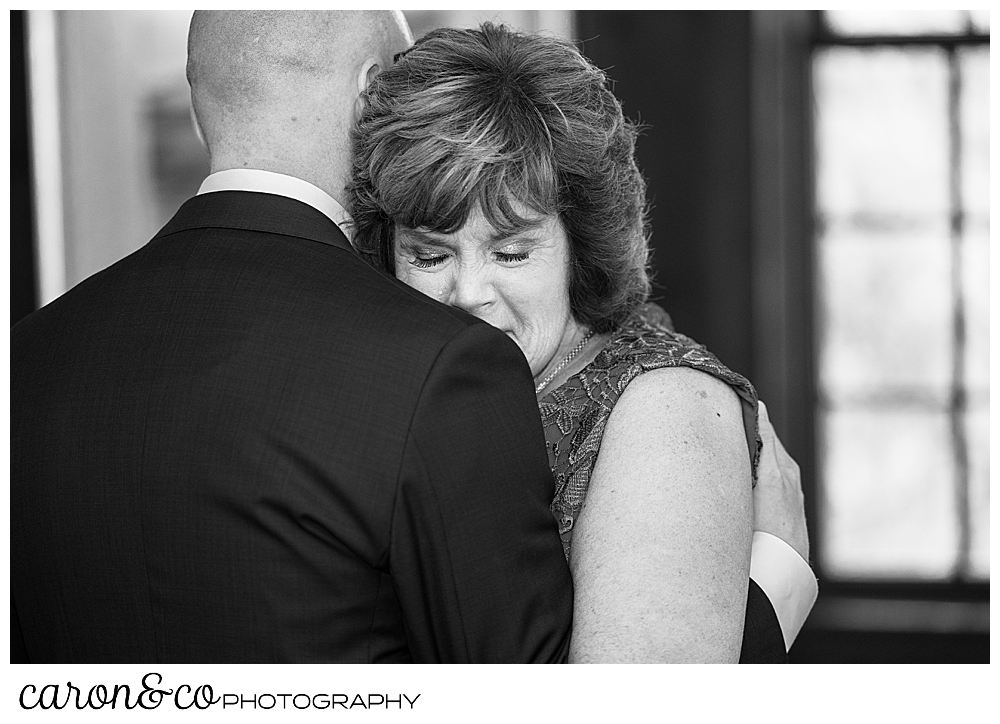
(280, 184)
(332, 184)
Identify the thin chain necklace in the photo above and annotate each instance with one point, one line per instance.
(566, 360)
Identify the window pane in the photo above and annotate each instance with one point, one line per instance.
(978, 431)
(885, 318)
(976, 290)
(897, 22)
(881, 136)
(980, 20)
(889, 503)
(975, 123)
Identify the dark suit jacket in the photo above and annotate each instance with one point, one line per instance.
(242, 444)
(763, 642)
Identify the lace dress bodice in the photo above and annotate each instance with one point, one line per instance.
(574, 415)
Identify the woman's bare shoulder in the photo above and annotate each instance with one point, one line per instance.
(704, 405)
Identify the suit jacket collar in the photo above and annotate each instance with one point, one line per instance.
(251, 211)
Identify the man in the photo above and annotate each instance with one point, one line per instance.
(242, 444)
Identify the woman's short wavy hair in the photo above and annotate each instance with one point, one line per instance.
(515, 125)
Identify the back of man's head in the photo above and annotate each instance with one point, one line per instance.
(277, 90)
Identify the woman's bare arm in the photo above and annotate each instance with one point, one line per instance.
(661, 550)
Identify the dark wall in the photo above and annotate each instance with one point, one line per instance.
(23, 292)
(686, 76)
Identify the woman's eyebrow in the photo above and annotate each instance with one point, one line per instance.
(526, 233)
(424, 237)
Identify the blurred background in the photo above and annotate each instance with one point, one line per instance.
(821, 218)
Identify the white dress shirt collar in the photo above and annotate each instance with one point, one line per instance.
(279, 184)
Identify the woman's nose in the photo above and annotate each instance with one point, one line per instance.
(472, 291)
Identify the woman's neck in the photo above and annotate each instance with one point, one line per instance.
(580, 360)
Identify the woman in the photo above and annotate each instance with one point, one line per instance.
(494, 171)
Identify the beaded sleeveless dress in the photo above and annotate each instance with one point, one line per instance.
(574, 415)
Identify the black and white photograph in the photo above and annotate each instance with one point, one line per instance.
(494, 336)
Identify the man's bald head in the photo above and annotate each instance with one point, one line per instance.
(277, 89)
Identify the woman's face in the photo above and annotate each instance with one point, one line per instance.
(517, 283)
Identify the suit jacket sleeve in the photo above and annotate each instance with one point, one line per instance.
(763, 642)
(475, 555)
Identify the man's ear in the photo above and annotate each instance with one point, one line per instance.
(369, 69)
(197, 129)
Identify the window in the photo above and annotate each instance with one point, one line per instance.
(901, 138)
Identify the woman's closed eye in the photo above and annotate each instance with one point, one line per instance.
(510, 257)
(426, 261)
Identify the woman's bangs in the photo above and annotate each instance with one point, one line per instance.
(433, 194)
(517, 192)
(511, 193)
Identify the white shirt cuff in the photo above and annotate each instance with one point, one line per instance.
(787, 580)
